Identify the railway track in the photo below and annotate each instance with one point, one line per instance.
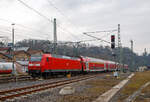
(14, 78)
(17, 92)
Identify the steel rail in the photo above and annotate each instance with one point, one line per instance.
(13, 79)
(39, 87)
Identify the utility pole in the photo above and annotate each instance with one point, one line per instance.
(145, 52)
(131, 45)
(55, 37)
(13, 71)
(77, 49)
(120, 47)
(132, 55)
(119, 38)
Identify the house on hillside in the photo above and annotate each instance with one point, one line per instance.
(21, 56)
(142, 68)
(5, 58)
(5, 50)
(22, 49)
(20, 53)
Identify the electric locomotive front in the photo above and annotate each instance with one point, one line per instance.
(34, 66)
(50, 64)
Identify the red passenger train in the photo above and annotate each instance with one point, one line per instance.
(49, 64)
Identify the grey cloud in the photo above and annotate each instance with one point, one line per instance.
(91, 15)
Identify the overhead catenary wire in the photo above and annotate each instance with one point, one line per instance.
(76, 41)
(21, 31)
(103, 31)
(110, 31)
(21, 25)
(21, 1)
(42, 15)
(41, 34)
(60, 12)
(70, 33)
(65, 30)
(18, 32)
(50, 3)
(86, 40)
(6, 31)
(96, 38)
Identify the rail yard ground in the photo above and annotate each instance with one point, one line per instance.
(144, 96)
(133, 87)
(88, 90)
(85, 91)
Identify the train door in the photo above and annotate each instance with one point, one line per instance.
(105, 67)
(108, 66)
(87, 66)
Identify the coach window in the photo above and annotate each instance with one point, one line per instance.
(47, 59)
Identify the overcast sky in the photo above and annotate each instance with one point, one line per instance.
(77, 16)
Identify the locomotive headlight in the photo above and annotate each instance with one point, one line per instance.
(37, 64)
(30, 64)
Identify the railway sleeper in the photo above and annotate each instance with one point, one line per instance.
(40, 88)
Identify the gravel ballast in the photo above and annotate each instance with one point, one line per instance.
(85, 91)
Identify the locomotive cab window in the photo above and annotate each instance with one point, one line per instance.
(35, 58)
(47, 59)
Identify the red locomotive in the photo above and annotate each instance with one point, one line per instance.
(49, 64)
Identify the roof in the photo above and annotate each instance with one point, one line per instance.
(4, 48)
(8, 56)
(25, 63)
(21, 48)
(17, 52)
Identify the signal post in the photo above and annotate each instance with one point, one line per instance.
(113, 53)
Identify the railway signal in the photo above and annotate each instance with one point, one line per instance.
(112, 41)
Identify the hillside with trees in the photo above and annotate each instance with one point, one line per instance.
(84, 49)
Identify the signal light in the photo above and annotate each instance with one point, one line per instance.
(112, 38)
(112, 41)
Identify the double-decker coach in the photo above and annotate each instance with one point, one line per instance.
(93, 64)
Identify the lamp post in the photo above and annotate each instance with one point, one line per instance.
(13, 67)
